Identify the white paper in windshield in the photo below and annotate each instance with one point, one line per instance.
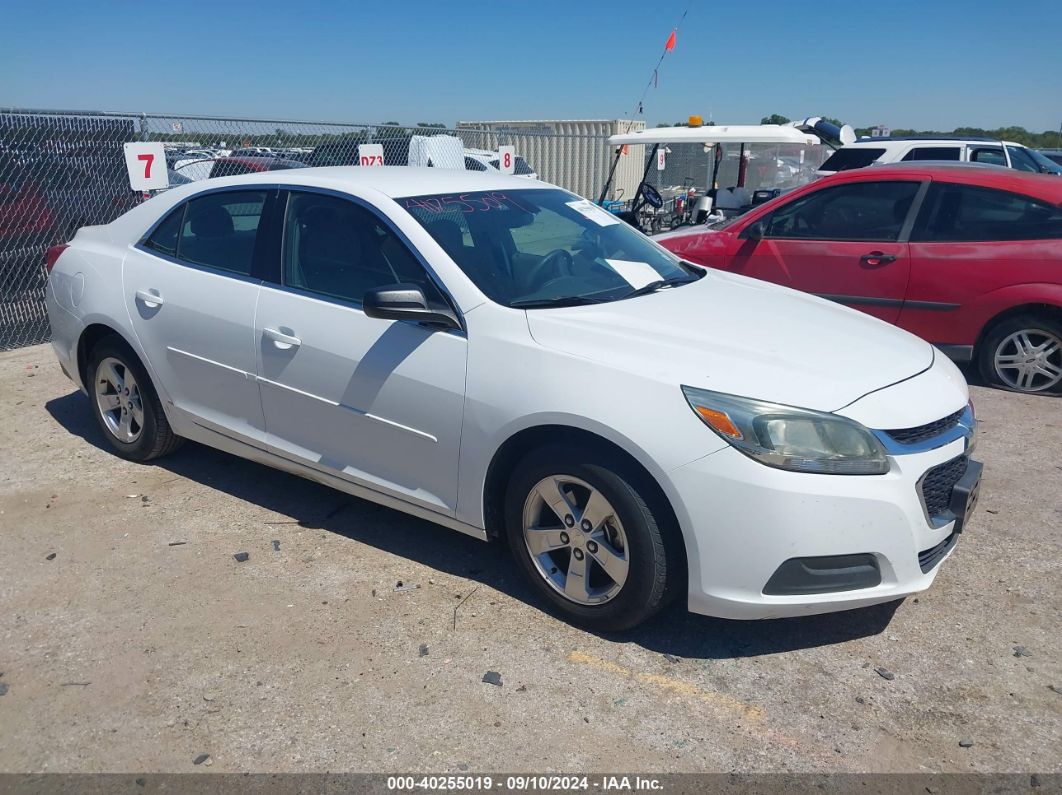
(636, 274)
(592, 212)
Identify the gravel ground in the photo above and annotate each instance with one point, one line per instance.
(132, 640)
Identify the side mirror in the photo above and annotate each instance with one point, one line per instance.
(406, 302)
(754, 231)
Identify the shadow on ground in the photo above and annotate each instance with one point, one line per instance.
(312, 505)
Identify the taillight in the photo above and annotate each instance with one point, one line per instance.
(52, 256)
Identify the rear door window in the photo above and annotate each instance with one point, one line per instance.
(219, 230)
(857, 211)
(933, 153)
(993, 155)
(969, 213)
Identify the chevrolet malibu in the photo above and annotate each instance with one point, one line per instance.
(503, 358)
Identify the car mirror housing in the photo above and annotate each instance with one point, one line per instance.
(406, 302)
(754, 231)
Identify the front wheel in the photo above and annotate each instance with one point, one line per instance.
(586, 537)
(1023, 354)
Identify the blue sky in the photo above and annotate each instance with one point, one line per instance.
(927, 64)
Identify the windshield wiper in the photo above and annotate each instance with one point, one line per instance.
(657, 284)
(562, 300)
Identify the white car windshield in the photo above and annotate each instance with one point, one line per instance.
(545, 247)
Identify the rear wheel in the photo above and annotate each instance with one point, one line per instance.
(1023, 354)
(125, 403)
(583, 532)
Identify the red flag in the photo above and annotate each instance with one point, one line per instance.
(670, 42)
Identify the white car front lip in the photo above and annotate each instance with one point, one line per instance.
(744, 520)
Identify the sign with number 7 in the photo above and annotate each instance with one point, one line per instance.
(146, 164)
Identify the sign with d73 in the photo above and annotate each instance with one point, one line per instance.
(146, 164)
(370, 155)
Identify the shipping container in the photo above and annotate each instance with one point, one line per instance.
(573, 154)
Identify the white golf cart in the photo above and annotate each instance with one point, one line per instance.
(647, 210)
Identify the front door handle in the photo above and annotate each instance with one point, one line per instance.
(875, 258)
(150, 298)
(283, 339)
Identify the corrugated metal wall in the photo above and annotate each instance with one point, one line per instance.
(573, 154)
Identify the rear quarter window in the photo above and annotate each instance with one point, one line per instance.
(164, 238)
(845, 158)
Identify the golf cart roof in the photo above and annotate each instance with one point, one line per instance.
(718, 134)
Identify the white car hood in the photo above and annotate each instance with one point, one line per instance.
(741, 336)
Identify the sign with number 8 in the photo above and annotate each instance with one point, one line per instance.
(507, 159)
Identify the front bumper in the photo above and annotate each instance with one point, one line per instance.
(744, 520)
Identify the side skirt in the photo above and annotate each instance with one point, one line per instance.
(200, 433)
(957, 353)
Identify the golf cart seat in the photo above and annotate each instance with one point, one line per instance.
(733, 201)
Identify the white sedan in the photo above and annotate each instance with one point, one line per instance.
(506, 359)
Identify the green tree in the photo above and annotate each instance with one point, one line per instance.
(774, 118)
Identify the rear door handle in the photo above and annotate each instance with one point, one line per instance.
(282, 340)
(149, 297)
(875, 258)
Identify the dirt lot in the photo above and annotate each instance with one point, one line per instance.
(128, 651)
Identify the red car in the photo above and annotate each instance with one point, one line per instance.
(967, 257)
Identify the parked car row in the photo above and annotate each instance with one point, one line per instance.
(199, 164)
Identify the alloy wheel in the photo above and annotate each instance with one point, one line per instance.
(575, 540)
(119, 400)
(1029, 360)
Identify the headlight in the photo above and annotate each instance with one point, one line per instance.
(785, 437)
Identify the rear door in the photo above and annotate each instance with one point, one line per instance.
(191, 295)
(378, 402)
(844, 242)
(969, 242)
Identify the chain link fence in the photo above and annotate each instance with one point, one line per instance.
(62, 170)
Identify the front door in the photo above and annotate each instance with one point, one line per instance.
(191, 298)
(379, 402)
(845, 243)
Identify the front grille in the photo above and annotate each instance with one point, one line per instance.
(929, 558)
(927, 431)
(937, 484)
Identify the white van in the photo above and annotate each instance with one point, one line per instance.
(898, 149)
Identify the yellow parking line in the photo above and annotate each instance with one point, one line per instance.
(677, 686)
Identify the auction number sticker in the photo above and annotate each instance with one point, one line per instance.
(146, 164)
(370, 155)
(507, 159)
(592, 212)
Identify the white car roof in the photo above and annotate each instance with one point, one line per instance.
(884, 143)
(392, 181)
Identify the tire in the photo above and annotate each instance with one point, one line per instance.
(111, 363)
(1023, 354)
(623, 522)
